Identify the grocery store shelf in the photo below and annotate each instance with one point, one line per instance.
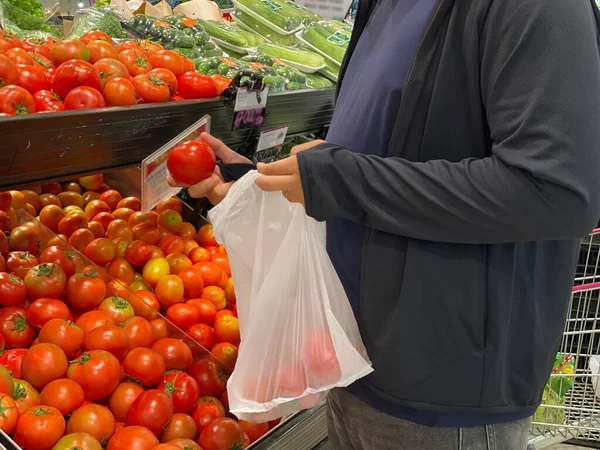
(41, 147)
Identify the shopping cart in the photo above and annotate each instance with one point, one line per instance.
(574, 413)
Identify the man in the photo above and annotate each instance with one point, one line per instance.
(459, 173)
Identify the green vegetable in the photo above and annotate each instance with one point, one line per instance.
(101, 19)
(332, 70)
(276, 83)
(173, 38)
(265, 31)
(26, 15)
(326, 38)
(142, 23)
(293, 55)
(315, 81)
(303, 14)
(273, 12)
(231, 34)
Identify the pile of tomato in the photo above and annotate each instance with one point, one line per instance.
(49, 75)
(94, 353)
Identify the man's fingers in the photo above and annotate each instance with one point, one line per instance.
(277, 182)
(174, 183)
(203, 188)
(217, 195)
(300, 148)
(223, 152)
(287, 166)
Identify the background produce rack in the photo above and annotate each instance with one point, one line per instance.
(43, 147)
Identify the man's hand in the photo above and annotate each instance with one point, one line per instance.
(213, 188)
(282, 176)
(306, 146)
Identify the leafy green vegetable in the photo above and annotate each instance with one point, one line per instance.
(102, 19)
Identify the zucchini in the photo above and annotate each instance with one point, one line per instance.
(332, 44)
(303, 57)
(273, 13)
(263, 30)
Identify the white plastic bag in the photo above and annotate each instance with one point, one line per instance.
(299, 335)
(595, 369)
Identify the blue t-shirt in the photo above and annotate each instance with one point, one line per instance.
(363, 122)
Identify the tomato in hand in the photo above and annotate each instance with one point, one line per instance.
(98, 372)
(193, 85)
(145, 365)
(43, 363)
(73, 74)
(61, 257)
(152, 409)
(84, 97)
(191, 162)
(64, 333)
(93, 419)
(12, 290)
(15, 329)
(122, 399)
(119, 92)
(183, 389)
(8, 71)
(40, 428)
(85, 291)
(63, 394)
(14, 100)
(222, 433)
(11, 359)
(209, 376)
(151, 89)
(168, 59)
(133, 438)
(25, 396)
(110, 69)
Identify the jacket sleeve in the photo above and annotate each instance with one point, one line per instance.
(540, 77)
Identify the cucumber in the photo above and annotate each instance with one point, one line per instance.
(292, 9)
(224, 32)
(332, 44)
(315, 81)
(273, 12)
(263, 30)
(303, 57)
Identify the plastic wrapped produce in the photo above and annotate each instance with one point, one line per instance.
(273, 14)
(280, 266)
(331, 38)
(250, 23)
(304, 60)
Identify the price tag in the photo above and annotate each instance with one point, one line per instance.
(249, 109)
(155, 188)
(269, 145)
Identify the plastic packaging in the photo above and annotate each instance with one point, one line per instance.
(271, 14)
(231, 35)
(251, 24)
(556, 390)
(100, 19)
(299, 335)
(303, 60)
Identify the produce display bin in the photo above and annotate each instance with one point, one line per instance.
(43, 147)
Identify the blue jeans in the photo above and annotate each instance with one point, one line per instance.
(354, 425)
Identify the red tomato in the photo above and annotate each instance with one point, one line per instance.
(222, 433)
(225, 355)
(254, 430)
(207, 310)
(100, 50)
(152, 409)
(72, 223)
(169, 290)
(133, 203)
(149, 48)
(111, 198)
(81, 238)
(85, 291)
(145, 365)
(98, 372)
(127, 45)
(61, 257)
(151, 89)
(133, 438)
(172, 244)
(168, 59)
(191, 162)
(216, 295)
(139, 332)
(120, 269)
(25, 396)
(135, 61)
(170, 220)
(204, 413)
(45, 280)
(138, 253)
(176, 354)
(25, 237)
(188, 65)
(201, 338)
(193, 85)
(107, 337)
(167, 77)
(43, 363)
(45, 309)
(110, 69)
(40, 428)
(209, 376)
(117, 287)
(32, 79)
(211, 273)
(8, 414)
(145, 304)
(118, 308)
(95, 207)
(101, 251)
(63, 394)
(122, 399)
(206, 238)
(227, 329)
(36, 45)
(222, 261)
(83, 441)
(92, 36)
(7, 384)
(146, 232)
(19, 57)
(12, 38)
(69, 49)
(183, 315)
(15, 100)
(320, 358)
(64, 333)
(73, 74)
(93, 319)
(119, 92)
(8, 71)
(12, 290)
(11, 359)
(180, 428)
(182, 388)
(199, 254)
(84, 97)
(104, 218)
(93, 419)
(160, 328)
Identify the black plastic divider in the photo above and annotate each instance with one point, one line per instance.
(41, 147)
